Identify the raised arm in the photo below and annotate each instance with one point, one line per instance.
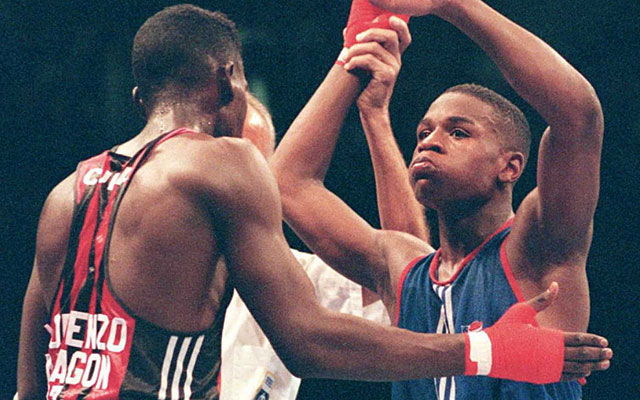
(552, 230)
(561, 210)
(559, 213)
(397, 205)
(313, 341)
(326, 224)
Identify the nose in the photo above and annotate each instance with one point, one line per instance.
(431, 142)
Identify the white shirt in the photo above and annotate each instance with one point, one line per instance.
(247, 356)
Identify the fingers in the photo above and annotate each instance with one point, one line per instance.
(585, 353)
(402, 29)
(584, 339)
(374, 50)
(544, 299)
(584, 368)
(379, 71)
(583, 358)
(387, 38)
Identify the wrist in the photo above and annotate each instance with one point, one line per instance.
(371, 113)
(453, 10)
(478, 357)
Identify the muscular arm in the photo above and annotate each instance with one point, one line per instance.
(51, 247)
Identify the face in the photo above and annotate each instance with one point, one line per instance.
(458, 155)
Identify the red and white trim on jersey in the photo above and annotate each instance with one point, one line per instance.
(435, 262)
(401, 284)
(508, 271)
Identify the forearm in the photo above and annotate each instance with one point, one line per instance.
(346, 347)
(398, 208)
(536, 71)
(306, 149)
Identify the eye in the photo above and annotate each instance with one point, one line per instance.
(459, 133)
(423, 134)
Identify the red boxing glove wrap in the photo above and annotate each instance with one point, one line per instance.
(515, 348)
(363, 16)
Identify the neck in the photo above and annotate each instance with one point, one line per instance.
(166, 119)
(461, 231)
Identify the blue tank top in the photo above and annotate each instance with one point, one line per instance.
(475, 297)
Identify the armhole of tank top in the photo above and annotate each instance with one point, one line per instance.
(508, 272)
(401, 281)
(51, 304)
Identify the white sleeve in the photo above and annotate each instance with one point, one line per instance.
(338, 293)
(249, 361)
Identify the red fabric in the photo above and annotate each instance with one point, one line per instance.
(403, 277)
(522, 352)
(361, 18)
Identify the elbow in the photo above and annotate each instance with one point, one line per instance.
(591, 112)
(286, 177)
(587, 117)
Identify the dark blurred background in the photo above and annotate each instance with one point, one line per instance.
(65, 84)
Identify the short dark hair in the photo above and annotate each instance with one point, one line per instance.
(174, 50)
(516, 134)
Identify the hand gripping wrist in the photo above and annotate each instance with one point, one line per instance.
(363, 16)
(515, 348)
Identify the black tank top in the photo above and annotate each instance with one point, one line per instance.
(98, 348)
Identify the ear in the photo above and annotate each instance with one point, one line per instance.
(138, 103)
(512, 168)
(224, 80)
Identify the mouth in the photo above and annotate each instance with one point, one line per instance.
(422, 168)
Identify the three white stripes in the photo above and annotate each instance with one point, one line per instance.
(179, 367)
(445, 325)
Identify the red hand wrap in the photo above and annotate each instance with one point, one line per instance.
(364, 15)
(519, 349)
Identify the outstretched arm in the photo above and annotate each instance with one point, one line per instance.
(315, 342)
(310, 340)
